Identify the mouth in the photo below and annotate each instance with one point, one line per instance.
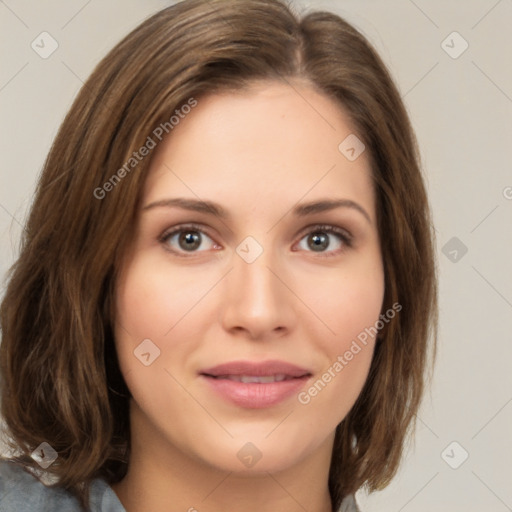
(278, 370)
(255, 385)
(248, 379)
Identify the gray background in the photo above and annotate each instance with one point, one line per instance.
(461, 109)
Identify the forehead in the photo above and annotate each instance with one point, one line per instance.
(262, 143)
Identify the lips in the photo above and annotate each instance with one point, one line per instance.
(255, 385)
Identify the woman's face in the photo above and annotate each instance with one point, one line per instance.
(214, 311)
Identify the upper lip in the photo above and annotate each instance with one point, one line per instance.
(256, 369)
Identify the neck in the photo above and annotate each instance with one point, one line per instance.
(163, 478)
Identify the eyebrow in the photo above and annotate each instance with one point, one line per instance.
(327, 205)
(215, 209)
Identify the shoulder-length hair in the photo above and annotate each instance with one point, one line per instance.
(60, 379)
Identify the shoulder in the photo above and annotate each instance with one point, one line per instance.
(20, 490)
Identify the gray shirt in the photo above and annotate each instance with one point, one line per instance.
(22, 492)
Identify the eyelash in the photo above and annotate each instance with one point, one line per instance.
(344, 236)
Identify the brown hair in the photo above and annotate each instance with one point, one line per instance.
(60, 381)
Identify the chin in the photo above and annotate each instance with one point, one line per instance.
(249, 456)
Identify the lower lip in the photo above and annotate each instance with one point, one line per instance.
(253, 395)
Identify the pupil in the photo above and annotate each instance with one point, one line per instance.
(191, 240)
(320, 241)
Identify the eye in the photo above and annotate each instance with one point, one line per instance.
(318, 239)
(183, 239)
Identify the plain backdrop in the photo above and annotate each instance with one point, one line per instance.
(452, 63)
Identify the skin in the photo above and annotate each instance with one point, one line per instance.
(257, 154)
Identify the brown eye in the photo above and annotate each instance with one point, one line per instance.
(321, 238)
(186, 239)
(189, 240)
(318, 241)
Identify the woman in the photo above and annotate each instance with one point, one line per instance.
(227, 286)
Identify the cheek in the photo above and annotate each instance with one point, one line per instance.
(345, 304)
(153, 298)
(142, 313)
(158, 303)
(348, 310)
(147, 308)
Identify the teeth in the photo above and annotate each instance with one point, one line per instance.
(246, 379)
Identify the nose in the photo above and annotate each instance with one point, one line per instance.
(257, 301)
